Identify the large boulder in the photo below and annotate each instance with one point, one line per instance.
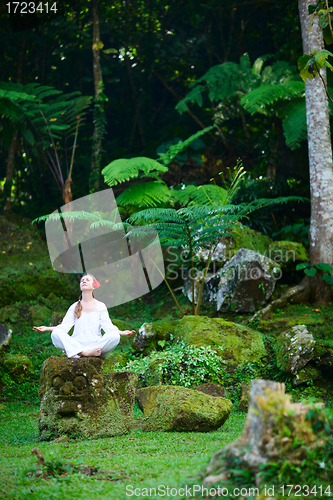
(236, 344)
(294, 349)
(174, 408)
(284, 253)
(81, 398)
(18, 367)
(243, 284)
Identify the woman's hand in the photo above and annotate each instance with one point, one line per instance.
(41, 328)
(127, 333)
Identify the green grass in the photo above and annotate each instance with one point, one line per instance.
(143, 460)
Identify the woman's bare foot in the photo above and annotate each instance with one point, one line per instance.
(93, 352)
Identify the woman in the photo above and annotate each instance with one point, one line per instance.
(89, 316)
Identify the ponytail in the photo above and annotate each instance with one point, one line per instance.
(78, 308)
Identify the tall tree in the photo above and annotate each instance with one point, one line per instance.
(99, 115)
(320, 156)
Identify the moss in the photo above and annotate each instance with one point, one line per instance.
(236, 344)
(174, 408)
(81, 398)
(287, 322)
(17, 366)
(151, 334)
(285, 253)
(306, 374)
(245, 399)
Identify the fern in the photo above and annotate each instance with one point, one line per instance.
(294, 123)
(124, 169)
(145, 194)
(258, 99)
(175, 149)
(200, 195)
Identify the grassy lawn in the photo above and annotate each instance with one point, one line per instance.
(139, 459)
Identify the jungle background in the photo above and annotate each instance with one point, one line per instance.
(99, 81)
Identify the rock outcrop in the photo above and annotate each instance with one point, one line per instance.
(80, 398)
(174, 408)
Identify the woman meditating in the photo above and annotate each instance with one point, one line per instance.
(89, 316)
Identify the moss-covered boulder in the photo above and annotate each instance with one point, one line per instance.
(81, 398)
(236, 344)
(294, 349)
(215, 390)
(152, 336)
(284, 253)
(174, 408)
(306, 374)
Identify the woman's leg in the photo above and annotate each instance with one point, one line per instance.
(66, 343)
(109, 342)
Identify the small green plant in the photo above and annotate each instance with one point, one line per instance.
(261, 287)
(181, 364)
(312, 271)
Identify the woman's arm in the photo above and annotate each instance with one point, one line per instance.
(107, 325)
(43, 328)
(65, 325)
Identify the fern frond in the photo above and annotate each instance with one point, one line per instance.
(257, 100)
(175, 149)
(124, 169)
(145, 194)
(294, 123)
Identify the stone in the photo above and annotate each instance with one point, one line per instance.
(235, 344)
(150, 334)
(80, 398)
(245, 398)
(175, 408)
(215, 390)
(294, 349)
(244, 283)
(5, 336)
(285, 253)
(275, 431)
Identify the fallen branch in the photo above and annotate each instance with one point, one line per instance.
(296, 294)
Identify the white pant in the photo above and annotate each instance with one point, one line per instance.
(72, 346)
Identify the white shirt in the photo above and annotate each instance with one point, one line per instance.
(87, 328)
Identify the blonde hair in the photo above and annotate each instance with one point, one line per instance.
(78, 307)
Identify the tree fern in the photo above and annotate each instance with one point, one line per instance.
(176, 149)
(258, 99)
(294, 123)
(145, 194)
(124, 169)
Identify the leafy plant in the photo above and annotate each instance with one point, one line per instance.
(181, 364)
(312, 271)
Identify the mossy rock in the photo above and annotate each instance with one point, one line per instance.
(18, 367)
(153, 336)
(80, 398)
(215, 390)
(294, 349)
(175, 408)
(236, 344)
(285, 253)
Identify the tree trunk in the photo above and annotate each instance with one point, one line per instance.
(320, 158)
(99, 109)
(10, 170)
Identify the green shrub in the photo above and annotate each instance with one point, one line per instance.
(180, 364)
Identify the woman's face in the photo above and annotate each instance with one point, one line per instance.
(86, 282)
